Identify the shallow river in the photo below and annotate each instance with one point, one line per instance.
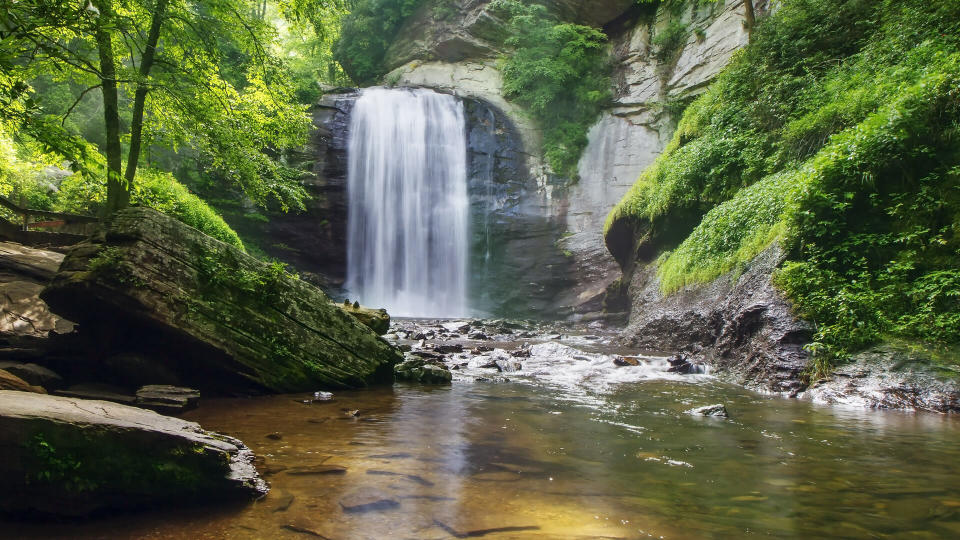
(578, 451)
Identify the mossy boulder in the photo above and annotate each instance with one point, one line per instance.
(221, 320)
(377, 320)
(72, 457)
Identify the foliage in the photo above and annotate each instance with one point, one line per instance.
(559, 73)
(834, 132)
(366, 33)
(161, 191)
(208, 79)
(307, 38)
(668, 40)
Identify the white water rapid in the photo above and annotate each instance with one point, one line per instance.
(408, 217)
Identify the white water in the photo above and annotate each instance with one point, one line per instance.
(408, 214)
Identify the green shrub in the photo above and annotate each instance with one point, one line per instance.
(835, 132)
(366, 34)
(559, 73)
(161, 191)
(668, 41)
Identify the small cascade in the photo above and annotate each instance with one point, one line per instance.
(408, 222)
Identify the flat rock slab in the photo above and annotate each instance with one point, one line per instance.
(71, 457)
(220, 319)
(166, 399)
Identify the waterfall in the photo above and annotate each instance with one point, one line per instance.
(408, 215)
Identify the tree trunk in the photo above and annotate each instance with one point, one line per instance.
(140, 98)
(118, 192)
(750, 18)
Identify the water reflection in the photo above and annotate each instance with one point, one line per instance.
(518, 461)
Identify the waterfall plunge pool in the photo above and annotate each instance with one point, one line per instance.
(570, 447)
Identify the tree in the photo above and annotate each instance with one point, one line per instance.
(175, 73)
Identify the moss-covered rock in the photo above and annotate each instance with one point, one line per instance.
(377, 320)
(71, 457)
(220, 319)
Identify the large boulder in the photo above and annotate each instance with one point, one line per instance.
(377, 320)
(71, 457)
(219, 319)
(23, 273)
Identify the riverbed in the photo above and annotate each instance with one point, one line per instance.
(569, 446)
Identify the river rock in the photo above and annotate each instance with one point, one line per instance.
(9, 381)
(718, 411)
(167, 399)
(377, 320)
(225, 322)
(419, 370)
(624, 361)
(71, 457)
(34, 374)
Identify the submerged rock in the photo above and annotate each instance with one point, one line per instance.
(220, 319)
(422, 371)
(718, 411)
(71, 457)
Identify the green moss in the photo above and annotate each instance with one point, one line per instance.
(835, 132)
(92, 461)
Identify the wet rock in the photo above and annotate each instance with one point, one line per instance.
(404, 347)
(892, 376)
(149, 282)
(166, 399)
(34, 374)
(480, 349)
(428, 355)
(508, 366)
(98, 391)
(626, 361)
(319, 397)
(492, 379)
(9, 381)
(119, 457)
(421, 371)
(459, 327)
(718, 411)
(449, 349)
(478, 336)
(523, 352)
(744, 327)
(681, 364)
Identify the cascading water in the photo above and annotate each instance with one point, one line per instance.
(408, 219)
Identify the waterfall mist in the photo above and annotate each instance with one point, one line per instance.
(408, 220)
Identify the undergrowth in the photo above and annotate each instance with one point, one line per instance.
(559, 73)
(835, 133)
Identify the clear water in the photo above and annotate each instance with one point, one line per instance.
(408, 218)
(568, 457)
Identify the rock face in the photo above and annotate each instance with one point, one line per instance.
(71, 457)
(891, 377)
(739, 324)
(24, 271)
(219, 319)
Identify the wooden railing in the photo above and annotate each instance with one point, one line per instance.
(55, 219)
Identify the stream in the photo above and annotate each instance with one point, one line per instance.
(568, 446)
